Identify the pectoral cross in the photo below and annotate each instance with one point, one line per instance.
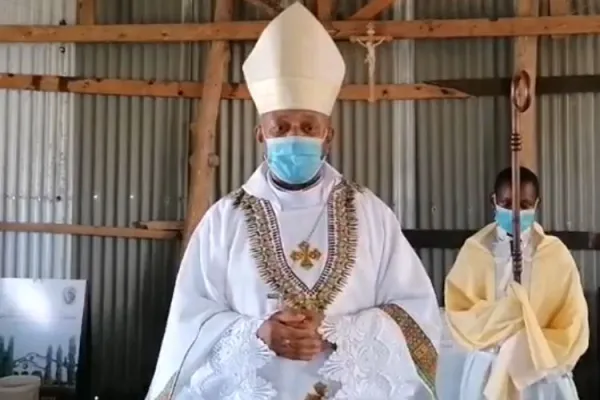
(320, 392)
(370, 42)
(305, 255)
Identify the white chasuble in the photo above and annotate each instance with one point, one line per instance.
(333, 248)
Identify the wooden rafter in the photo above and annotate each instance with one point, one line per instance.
(526, 58)
(85, 230)
(560, 7)
(121, 87)
(203, 141)
(432, 90)
(162, 225)
(325, 9)
(86, 12)
(271, 7)
(340, 30)
(371, 10)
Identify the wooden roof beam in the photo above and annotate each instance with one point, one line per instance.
(371, 10)
(86, 230)
(325, 9)
(340, 30)
(195, 90)
(560, 7)
(86, 12)
(431, 90)
(271, 7)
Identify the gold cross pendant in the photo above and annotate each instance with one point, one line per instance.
(320, 392)
(305, 255)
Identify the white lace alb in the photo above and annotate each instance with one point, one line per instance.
(370, 362)
(231, 372)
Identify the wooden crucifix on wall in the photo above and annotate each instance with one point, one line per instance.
(370, 43)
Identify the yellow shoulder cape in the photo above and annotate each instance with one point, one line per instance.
(552, 314)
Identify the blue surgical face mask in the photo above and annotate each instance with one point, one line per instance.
(294, 159)
(504, 219)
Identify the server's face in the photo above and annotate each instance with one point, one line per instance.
(529, 197)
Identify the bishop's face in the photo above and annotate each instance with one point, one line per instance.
(303, 123)
(297, 142)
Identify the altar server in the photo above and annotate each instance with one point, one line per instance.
(525, 338)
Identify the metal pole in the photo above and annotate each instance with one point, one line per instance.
(521, 101)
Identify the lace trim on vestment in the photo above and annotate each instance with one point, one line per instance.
(231, 372)
(370, 360)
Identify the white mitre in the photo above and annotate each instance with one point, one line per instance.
(295, 65)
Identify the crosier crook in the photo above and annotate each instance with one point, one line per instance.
(521, 101)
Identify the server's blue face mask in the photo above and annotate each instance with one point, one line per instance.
(295, 159)
(503, 218)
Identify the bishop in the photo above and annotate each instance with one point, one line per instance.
(356, 316)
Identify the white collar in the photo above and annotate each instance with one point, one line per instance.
(503, 236)
(259, 184)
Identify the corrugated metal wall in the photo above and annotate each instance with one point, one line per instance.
(461, 145)
(131, 163)
(570, 167)
(36, 138)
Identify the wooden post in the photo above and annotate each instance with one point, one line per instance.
(372, 9)
(559, 8)
(203, 157)
(525, 58)
(86, 13)
(325, 9)
(272, 8)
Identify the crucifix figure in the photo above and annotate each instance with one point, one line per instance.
(370, 42)
(305, 255)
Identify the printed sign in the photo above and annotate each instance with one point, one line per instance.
(40, 328)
